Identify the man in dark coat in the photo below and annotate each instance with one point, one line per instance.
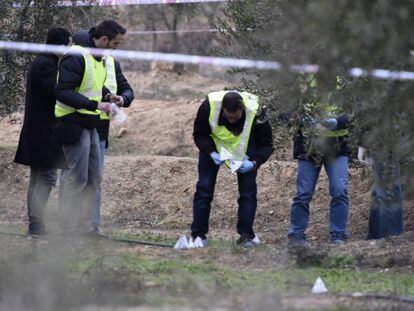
(36, 147)
(232, 121)
(124, 97)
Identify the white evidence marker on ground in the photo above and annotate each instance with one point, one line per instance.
(182, 243)
(319, 287)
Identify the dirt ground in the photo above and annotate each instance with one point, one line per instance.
(149, 181)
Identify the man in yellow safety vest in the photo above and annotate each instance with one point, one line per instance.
(118, 91)
(230, 128)
(79, 94)
(321, 140)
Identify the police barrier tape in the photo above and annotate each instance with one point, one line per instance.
(154, 32)
(121, 2)
(201, 60)
(161, 32)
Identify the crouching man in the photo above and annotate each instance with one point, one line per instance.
(229, 128)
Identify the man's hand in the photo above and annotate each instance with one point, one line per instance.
(308, 121)
(105, 107)
(117, 100)
(216, 158)
(247, 166)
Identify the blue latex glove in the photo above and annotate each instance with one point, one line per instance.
(246, 167)
(308, 121)
(330, 123)
(216, 158)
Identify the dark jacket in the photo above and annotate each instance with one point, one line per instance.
(84, 38)
(333, 146)
(36, 146)
(260, 142)
(71, 71)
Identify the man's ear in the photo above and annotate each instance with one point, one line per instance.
(104, 40)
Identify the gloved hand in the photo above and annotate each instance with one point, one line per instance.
(216, 158)
(308, 121)
(330, 123)
(246, 167)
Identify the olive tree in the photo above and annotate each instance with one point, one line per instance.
(29, 21)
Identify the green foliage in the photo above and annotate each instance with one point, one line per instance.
(338, 262)
(336, 35)
(29, 21)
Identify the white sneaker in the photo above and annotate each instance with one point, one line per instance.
(197, 243)
(256, 240)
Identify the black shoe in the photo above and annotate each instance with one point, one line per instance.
(294, 242)
(96, 231)
(36, 231)
(247, 240)
(338, 242)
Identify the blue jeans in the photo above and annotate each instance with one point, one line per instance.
(81, 181)
(386, 214)
(40, 185)
(96, 212)
(308, 174)
(207, 172)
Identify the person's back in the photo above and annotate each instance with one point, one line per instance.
(37, 147)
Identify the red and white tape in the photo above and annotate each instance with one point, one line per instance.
(123, 2)
(202, 60)
(162, 32)
(143, 56)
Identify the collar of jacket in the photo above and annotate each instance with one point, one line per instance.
(235, 128)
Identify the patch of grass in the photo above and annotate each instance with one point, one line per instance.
(185, 275)
(10, 228)
(145, 237)
(345, 280)
(8, 147)
(338, 261)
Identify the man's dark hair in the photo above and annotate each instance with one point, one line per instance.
(233, 101)
(58, 36)
(109, 28)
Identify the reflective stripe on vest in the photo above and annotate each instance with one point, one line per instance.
(110, 81)
(236, 145)
(91, 85)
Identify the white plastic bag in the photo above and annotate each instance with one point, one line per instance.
(117, 114)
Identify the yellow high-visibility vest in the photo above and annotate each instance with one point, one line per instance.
(327, 110)
(236, 145)
(91, 85)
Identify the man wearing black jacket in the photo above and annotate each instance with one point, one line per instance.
(124, 98)
(36, 146)
(80, 93)
(229, 126)
(321, 140)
